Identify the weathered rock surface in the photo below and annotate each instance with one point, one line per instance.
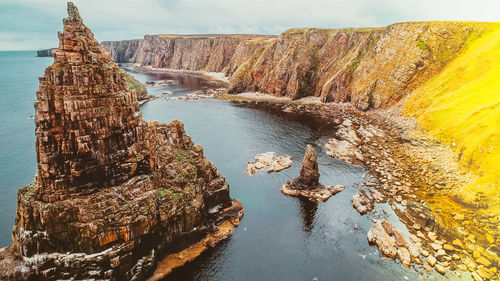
(362, 202)
(113, 193)
(280, 163)
(391, 242)
(275, 164)
(368, 67)
(307, 184)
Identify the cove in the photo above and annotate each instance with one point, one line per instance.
(280, 237)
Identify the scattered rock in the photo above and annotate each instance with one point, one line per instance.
(426, 267)
(439, 268)
(404, 256)
(280, 163)
(432, 236)
(431, 260)
(435, 246)
(482, 260)
(267, 159)
(392, 243)
(458, 243)
(361, 202)
(378, 235)
(476, 276)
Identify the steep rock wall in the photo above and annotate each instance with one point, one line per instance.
(368, 67)
(112, 193)
(186, 52)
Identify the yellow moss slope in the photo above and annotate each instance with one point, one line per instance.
(461, 106)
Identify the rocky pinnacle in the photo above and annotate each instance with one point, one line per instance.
(124, 191)
(309, 174)
(73, 14)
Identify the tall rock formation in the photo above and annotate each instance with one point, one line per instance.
(309, 173)
(112, 193)
(307, 184)
(368, 67)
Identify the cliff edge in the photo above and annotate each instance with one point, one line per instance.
(367, 67)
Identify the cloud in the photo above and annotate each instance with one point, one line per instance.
(33, 24)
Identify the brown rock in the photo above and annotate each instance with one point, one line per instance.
(112, 191)
(361, 202)
(309, 174)
(378, 235)
(307, 184)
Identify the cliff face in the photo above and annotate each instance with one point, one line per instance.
(45, 53)
(214, 53)
(123, 51)
(112, 193)
(369, 67)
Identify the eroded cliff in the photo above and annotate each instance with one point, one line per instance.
(368, 67)
(112, 193)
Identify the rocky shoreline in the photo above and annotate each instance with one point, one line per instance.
(415, 175)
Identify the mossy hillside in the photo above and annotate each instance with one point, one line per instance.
(461, 106)
(134, 85)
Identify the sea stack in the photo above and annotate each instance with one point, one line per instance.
(307, 184)
(309, 173)
(113, 193)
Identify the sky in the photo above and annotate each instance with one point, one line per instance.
(33, 24)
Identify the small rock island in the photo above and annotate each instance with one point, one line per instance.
(113, 194)
(307, 184)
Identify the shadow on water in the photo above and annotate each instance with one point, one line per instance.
(308, 211)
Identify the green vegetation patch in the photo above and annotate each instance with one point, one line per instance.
(422, 46)
(162, 192)
(133, 84)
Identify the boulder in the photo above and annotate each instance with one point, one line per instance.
(361, 202)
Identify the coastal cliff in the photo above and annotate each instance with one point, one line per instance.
(45, 53)
(368, 67)
(113, 194)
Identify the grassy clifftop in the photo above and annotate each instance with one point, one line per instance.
(461, 106)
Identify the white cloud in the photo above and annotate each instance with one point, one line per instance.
(127, 19)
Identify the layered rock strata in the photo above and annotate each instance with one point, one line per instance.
(113, 193)
(368, 67)
(307, 184)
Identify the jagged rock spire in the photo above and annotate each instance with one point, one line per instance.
(73, 14)
(309, 174)
(87, 120)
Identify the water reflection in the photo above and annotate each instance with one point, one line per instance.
(308, 210)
